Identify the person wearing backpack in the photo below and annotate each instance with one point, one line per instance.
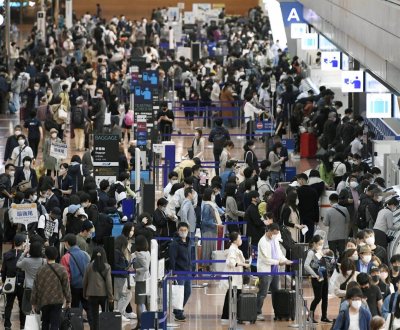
(371, 199)
(218, 135)
(78, 118)
(127, 123)
(75, 262)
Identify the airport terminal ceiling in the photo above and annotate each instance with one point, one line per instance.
(142, 8)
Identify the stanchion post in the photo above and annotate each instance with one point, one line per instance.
(196, 285)
(171, 324)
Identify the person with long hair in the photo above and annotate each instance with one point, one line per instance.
(347, 273)
(319, 283)
(97, 285)
(123, 294)
(250, 157)
(290, 216)
(197, 145)
(142, 267)
(326, 169)
(276, 163)
(232, 212)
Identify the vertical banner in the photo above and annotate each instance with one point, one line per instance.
(41, 24)
(68, 14)
(105, 157)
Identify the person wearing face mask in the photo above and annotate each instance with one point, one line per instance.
(250, 157)
(64, 181)
(235, 262)
(50, 162)
(377, 281)
(164, 224)
(337, 219)
(172, 179)
(389, 302)
(356, 144)
(78, 173)
(165, 120)
(33, 96)
(350, 198)
(364, 263)
(26, 173)
(276, 162)
(371, 292)
(377, 250)
(290, 216)
(48, 226)
(313, 262)
(340, 279)
(270, 257)
(250, 113)
(384, 222)
(188, 96)
(197, 145)
(6, 182)
(86, 233)
(99, 112)
(384, 273)
(12, 143)
(20, 152)
(180, 259)
(355, 316)
(35, 132)
(255, 224)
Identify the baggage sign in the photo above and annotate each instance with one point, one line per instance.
(265, 126)
(59, 150)
(23, 213)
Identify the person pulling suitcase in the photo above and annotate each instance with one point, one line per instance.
(270, 257)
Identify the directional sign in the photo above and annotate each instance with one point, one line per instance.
(23, 213)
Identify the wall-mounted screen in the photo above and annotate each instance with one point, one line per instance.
(379, 105)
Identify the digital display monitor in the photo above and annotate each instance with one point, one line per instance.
(374, 86)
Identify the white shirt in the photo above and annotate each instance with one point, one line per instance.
(264, 260)
(354, 321)
(16, 155)
(179, 197)
(339, 169)
(50, 227)
(168, 188)
(250, 111)
(356, 146)
(216, 90)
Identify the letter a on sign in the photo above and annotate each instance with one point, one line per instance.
(293, 15)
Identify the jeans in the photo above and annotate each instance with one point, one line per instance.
(187, 292)
(10, 297)
(320, 293)
(217, 155)
(94, 303)
(123, 295)
(337, 246)
(265, 283)
(275, 176)
(78, 300)
(51, 317)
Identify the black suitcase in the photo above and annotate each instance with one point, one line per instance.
(247, 307)
(284, 304)
(75, 318)
(110, 321)
(299, 252)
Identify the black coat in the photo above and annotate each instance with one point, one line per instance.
(255, 226)
(308, 205)
(19, 177)
(165, 226)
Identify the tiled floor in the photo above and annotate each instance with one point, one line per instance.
(205, 306)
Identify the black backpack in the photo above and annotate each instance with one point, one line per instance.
(78, 116)
(219, 140)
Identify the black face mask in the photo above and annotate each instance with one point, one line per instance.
(375, 278)
(396, 268)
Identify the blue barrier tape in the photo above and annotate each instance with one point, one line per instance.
(179, 272)
(192, 135)
(122, 272)
(194, 109)
(244, 238)
(207, 117)
(208, 261)
(195, 278)
(235, 223)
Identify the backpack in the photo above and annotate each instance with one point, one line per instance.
(117, 225)
(78, 116)
(24, 81)
(219, 140)
(104, 226)
(128, 119)
(362, 221)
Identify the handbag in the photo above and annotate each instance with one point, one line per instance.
(177, 296)
(9, 284)
(107, 119)
(32, 322)
(62, 113)
(24, 185)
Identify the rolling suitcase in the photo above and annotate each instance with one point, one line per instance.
(284, 304)
(74, 315)
(247, 307)
(110, 320)
(308, 145)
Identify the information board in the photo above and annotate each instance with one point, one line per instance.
(59, 150)
(23, 213)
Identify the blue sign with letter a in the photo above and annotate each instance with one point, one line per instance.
(292, 12)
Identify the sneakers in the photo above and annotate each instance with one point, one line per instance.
(131, 316)
(260, 317)
(180, 318)
(325, 320)
(125, 319)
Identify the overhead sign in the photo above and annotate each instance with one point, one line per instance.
(325, 44)
(59, 150)
(189, 17)
(330, 61)
(298, 30)
(379, 105)
(105, 150)
(352, 81)
(309, 41)
(292, 12)
(23, 213)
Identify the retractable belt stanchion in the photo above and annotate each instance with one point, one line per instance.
(298, 280)
(196, 285)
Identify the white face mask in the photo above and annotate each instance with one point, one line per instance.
(21, 142)
(213, 198)
(380, 198)
(27, 163)
(12, 173)
(367, 258)
(53, 135)
(297, 201)
(353, 184)
(34, 198)
(354, 257)
(370, 240)
(183, 234)
(174, 181)
(356, 304)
